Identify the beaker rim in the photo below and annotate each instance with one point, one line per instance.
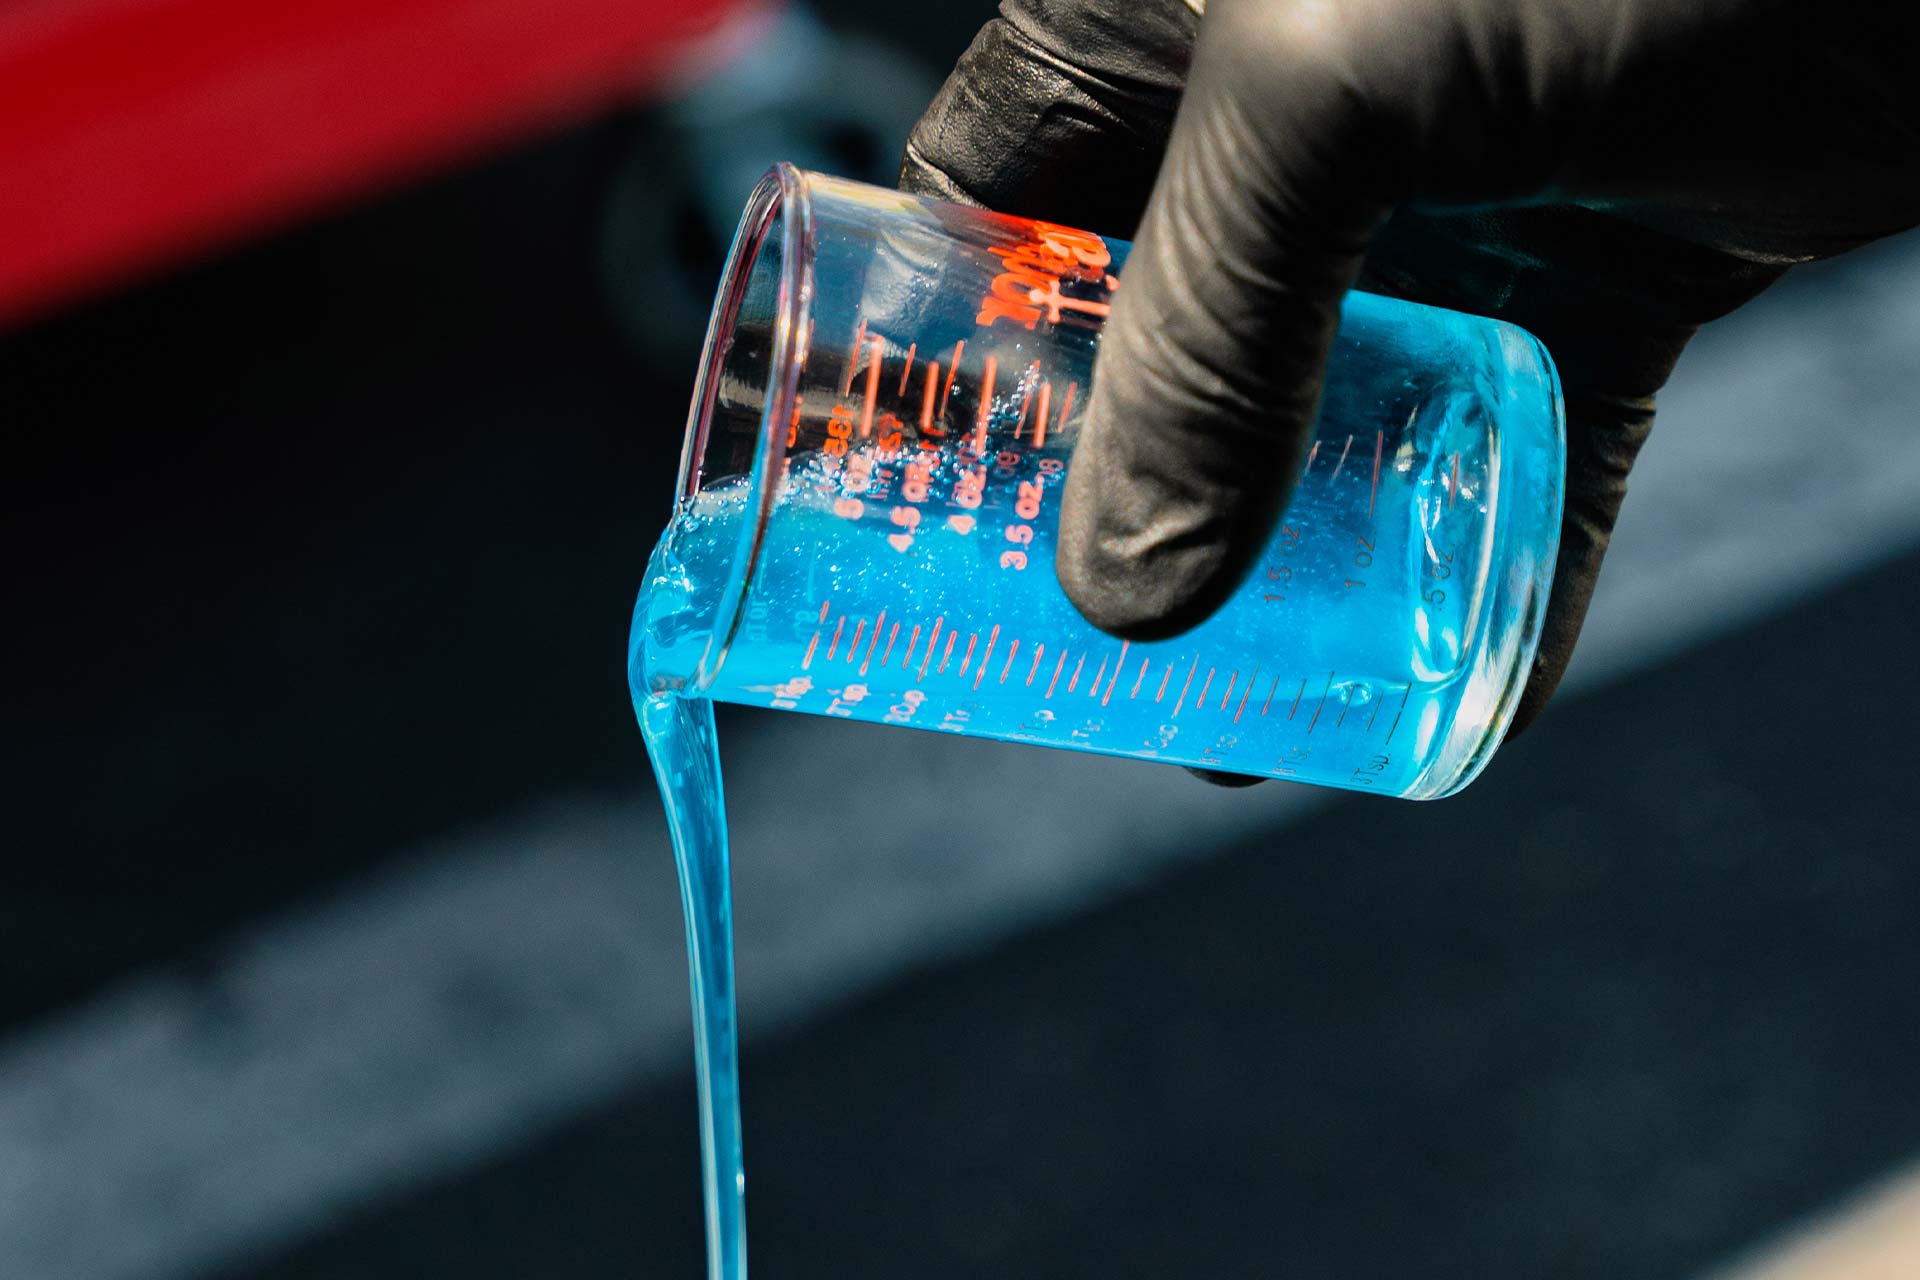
(781, 205)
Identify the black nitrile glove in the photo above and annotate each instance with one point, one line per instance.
(1609, 174)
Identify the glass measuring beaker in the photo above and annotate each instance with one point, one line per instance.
(887, 405)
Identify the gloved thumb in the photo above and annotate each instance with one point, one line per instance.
(1209, 370)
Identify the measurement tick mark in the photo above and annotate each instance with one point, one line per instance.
(853, 649)
(1040, 421)
(1012, 653)
(1118, 663)
(823, 610)
(1379, 442)
(1232, 679)
(933, 638)
(1093, 690)
(1270, 692)
(1188, 685)
(853, 359)
(1038, 650)
(1237, 711)
(1078, 667)
(1163, 683)
(973, 638)
(1402, 711)
(1311, 455)
(1200, 702)
(1343, 460)
(953, 367)
(904, 373)
(1135, 691)
(1296, 699)
(838, 628)
(811, 646)
(873, 387)
(888, 653)
(993, 638)
(946, 655)
(1056, 674)
(1321, 704)
(1345, 703)
(1066, 403)
(926, 397)
(1453, 489)
(986, 406)
(873, 643)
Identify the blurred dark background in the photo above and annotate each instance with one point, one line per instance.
(339, 934)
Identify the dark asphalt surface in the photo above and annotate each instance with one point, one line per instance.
(1640, 996)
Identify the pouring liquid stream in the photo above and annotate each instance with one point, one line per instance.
(681, 743)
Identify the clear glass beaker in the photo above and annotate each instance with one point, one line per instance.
(887, 405)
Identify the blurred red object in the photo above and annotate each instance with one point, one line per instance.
(133, 132)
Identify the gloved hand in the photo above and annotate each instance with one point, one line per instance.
(1609, 174)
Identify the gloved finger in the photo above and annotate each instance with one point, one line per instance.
(1059, 110)
(1210, 365)
(1615, 302)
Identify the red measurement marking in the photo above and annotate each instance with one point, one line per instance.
(1241, 709)
(875, 642)
(973, 638)
(1188, 685)
(1135, 691)
(873, 387)
(1026, 403)
(986, 406)
(1118, 663)
(854, 648)
(1454, 488)
(814, 644)
(1055, 302)
(1056, 674)
(1093, 690)
(1302, 692)
(1321, 704)
(1011, 655)
(1311, 455)
(1163, 683)
(1078, 667)
(823, 610)
(1227, 697)
(1379, 443)
(906, 372)
(1066, 403)
(888, 653)
(1035, 669)
(993, 638)
(926, 397)
(838, 628)
(1343, 460)
(932, 640)
(947, 656)
(906, 659)
(953, 367)
(1402, 711)
(1271, 690)
(1205, 685)
(853, 356)
(1040, 421)
(1345, 704)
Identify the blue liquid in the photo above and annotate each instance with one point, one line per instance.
(680, 741)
